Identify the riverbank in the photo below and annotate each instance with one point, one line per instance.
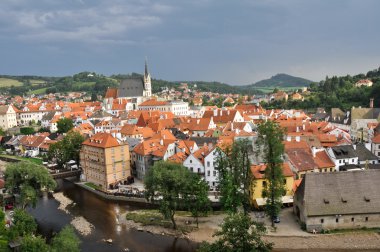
(210, 224)
(79, 223)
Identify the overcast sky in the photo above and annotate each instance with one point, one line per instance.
(232, 41)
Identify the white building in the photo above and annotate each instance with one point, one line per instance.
(8, 117)
(343, 155)
(178, 108)
(203, 161)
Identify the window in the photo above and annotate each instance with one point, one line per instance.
(191, 168)
(322, 220)
(208, 173)
(337, 220)
(353, 160)
(264, 183)
(284, 181)
(208, 163)
(199, 170)
(366, 218)
(191, 161)
(352, 219)
(214, 173)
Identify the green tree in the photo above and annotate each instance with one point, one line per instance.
(27, 130)
(31, 243)
(23, 224)
(235, 176)
(196, 197)
(2, 132)
(64, 125)
(168, 181)
(28, 179)
(66, 240)
(269, 142)
(238, 234)
(94, 97)
(67, 149)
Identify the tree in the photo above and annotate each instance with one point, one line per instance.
(23, 224)
(27, 130)
(235, 176)
(94, 97)
(66, 240)
(238, 234)
(28, 180)
(67, 149)
(197, 199)
(31, 243)
(171, 183)
(64, 125)
(270, 137)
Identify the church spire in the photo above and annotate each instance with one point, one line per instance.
(146, 67)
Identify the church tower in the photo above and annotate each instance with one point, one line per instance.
(147, 81)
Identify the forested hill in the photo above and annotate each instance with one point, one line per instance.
(282, 80)
(338, 92)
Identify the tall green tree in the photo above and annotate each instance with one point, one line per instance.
(67, 149)
(66, 240)
(235, 176)
(196, 198)
(238, 234)
(269, 143)
(64, 125)
(28, 180)
(169, 184)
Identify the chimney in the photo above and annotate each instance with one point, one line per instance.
(161, 142)
(215, 112)
(303, 127)
(198, 120)
(371, 103)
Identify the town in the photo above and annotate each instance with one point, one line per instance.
(329, 164)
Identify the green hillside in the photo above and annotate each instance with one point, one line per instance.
(283, 80)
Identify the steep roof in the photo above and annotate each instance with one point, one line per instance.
(258, 171)
(353, 192)
(131, 87)
(102, 140)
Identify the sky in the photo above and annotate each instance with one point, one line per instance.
(233, 41)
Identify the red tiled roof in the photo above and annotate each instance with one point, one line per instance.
(102, 140)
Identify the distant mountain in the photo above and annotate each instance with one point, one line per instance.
(283, 80)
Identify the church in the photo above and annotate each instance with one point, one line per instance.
(131, 92)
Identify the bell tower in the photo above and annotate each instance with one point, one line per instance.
(147, 81)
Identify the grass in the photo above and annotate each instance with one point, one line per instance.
(270, 89)
(37, 91)
(353, 230)
(33, 160)
(6, 82)
(92, 185)
(84, 84)
(37, 82)
(155, 218)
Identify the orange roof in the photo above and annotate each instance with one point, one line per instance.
(179, 157)
(376, 139)
(111, 93)
(153, 102)
(102, 140)
(258, 171)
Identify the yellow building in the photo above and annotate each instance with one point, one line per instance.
(105, 161)
(259, 182)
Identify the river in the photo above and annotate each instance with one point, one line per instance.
(103, 215)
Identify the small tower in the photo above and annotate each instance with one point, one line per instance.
(147, 81)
